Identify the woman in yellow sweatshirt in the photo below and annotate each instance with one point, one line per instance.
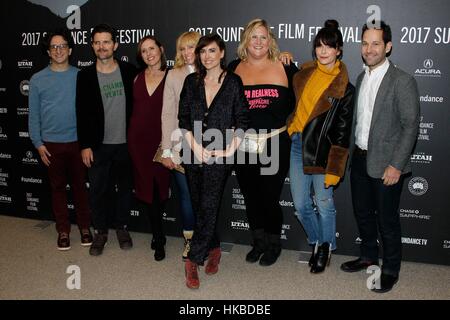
(320, 130)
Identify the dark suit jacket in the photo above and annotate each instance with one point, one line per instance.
(89, 104)
(394, 125)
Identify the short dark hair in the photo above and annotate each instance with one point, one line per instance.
(380, 25)
(103, 27)
(139, 56)
(203, 42)
(62, 32)
(331, 36)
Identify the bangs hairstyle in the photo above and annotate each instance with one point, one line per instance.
(160, 46)
(246, 36)
(331, 36)
(186, 38)
(203, 42)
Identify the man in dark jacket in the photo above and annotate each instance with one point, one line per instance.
(104, 104)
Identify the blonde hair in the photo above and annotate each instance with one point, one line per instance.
(274, 51)
(186, 38)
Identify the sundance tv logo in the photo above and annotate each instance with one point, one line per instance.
(428, 70)
(418, 186)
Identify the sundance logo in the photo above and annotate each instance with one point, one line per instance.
(85, 63)
(31, 180)
(285, 203)
(418, 186)
(25, 64)
(5, 199)
(3, 110)
(5, 156)
(428, 98)
(415, 241)
(428, 70)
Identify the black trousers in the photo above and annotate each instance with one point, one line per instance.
(111, 168)
(206, 186)
(262, 192)
(154, 211)
(376, 209)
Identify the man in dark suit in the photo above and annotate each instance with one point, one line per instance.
(104, 103)
(385, 129)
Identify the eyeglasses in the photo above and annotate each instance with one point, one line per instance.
(63, 46)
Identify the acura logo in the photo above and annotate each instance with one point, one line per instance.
(428, 63)
(124, 58)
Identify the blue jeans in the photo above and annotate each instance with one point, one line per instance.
(314, 203)
(187, 213)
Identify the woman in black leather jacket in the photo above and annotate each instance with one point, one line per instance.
(320, 130)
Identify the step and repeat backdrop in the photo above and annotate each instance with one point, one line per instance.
(421, 37)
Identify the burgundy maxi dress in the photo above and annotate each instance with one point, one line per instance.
(144, 136)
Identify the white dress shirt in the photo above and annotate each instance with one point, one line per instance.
(366, 100)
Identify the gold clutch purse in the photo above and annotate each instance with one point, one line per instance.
(158, 158)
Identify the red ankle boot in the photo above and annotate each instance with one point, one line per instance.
(213, 261)
(191, 271)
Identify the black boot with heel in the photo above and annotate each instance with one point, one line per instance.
(322, 258)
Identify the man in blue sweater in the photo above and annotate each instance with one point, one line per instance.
(53, 131)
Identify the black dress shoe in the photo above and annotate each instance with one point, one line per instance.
(387, 282)
(357, 265)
